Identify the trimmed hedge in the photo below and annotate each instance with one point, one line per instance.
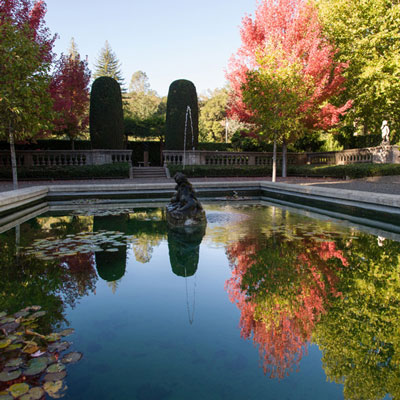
(71, 172)
(106, 114)
(352, 171)
(182, 93)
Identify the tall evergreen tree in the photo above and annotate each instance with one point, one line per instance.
(108, 64)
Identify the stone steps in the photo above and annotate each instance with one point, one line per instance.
(147, 172)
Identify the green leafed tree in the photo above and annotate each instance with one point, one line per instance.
(143, 102)
(367, 35)
(213, 116)
(107, 64)
(25, 57)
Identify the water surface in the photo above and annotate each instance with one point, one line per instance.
(268, 303)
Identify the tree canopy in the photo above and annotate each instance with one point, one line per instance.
(302, 69)
(367, 35)
(70, 91)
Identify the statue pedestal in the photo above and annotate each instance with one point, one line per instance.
(386, 154)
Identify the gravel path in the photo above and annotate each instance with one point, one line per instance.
(384, 184)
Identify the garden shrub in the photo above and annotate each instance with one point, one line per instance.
(106, 114)
(182, 93)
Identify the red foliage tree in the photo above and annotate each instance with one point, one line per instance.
(290, 28)
(70, 92)
(30, 14)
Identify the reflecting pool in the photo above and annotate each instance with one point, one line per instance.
(268, 303)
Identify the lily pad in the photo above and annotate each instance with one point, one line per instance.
(71, 358)
(19, 389)
(6, 320)
(22, 313)
(4, 343)
(59, 347)
(8, 376)
(15, 362)
(56, 376)
(67, 332)
(10, 327)
(35, 393)
(55, 368)
(54, 389)
(36, 366)
(37, 315)
(30, 348)
(5, 397)
(14, 347)
(53, 337)
(2, 314)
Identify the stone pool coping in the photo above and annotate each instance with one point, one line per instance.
(30, 200)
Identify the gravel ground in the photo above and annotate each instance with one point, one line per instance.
(384, 184)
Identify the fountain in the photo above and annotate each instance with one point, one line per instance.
(184, 210)
(188, 114)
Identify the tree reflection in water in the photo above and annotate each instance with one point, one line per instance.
(282, 288)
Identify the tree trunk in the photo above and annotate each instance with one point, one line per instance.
(72, 144)
(274, 163)
(13, 159)
(284, 159)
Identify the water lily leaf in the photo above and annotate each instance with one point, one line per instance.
(30, 348)
(14, 347)
(67, 332)
(2, 314)
(15, 362)
(112, 250)
(5, 397)
(32, 308)
(6, 320)
(35, 393)
(71, 358)
(55, 376)
(53, 337)
(55, 368)
(37, 315)
(36, 366)
(7, 376)
(55, 389)
(59, 347)
(4, 343)
(22, 313)
(19, 389)
(11, 327)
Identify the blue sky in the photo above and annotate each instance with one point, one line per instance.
(167, 39)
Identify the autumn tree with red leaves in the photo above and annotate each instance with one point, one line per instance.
(284, 55)
(25, 60)
(70, 92)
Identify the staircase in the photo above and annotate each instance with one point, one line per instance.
(148, 173)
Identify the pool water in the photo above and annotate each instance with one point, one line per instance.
(266, 303)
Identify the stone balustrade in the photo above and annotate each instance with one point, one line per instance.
(52, 158)
(380, 154)
(173, 157)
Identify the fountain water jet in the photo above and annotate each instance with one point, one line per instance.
(188, 114)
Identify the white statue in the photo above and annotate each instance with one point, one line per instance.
(385, 132)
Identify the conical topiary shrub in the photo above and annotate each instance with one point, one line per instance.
(106, 114)
(181, 94)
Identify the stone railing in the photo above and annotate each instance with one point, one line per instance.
(384, 154)
(51, 158)
(172, 157)
(380, 154)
